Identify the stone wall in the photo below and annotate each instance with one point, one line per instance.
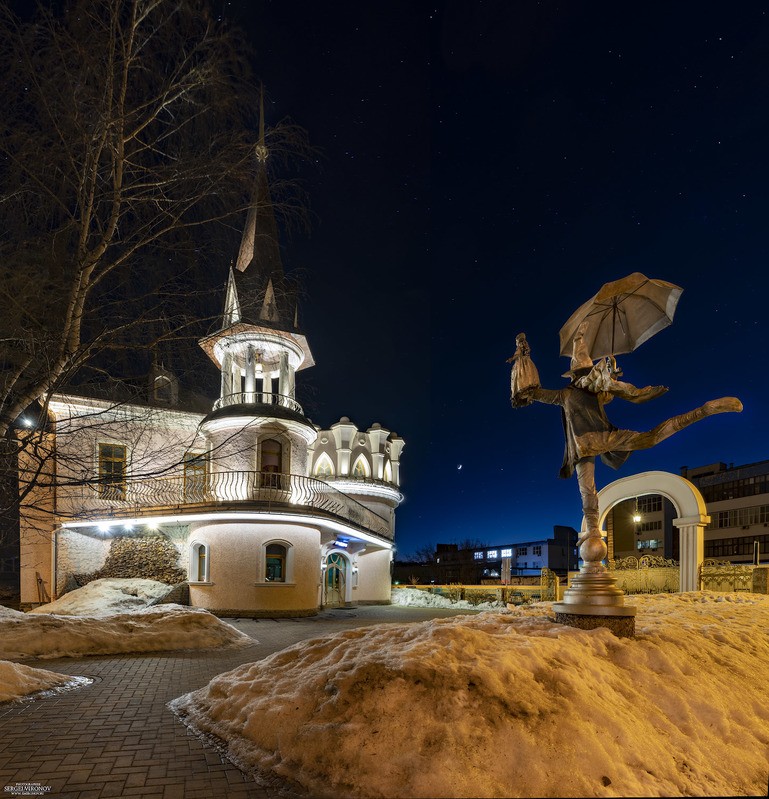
(150, 557)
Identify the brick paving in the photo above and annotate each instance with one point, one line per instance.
(117, 738)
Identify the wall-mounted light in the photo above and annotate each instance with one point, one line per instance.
(342, 544)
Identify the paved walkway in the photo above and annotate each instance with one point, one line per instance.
(117, 738)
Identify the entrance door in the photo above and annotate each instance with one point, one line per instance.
(334, 584)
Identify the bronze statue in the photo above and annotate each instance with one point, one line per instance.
(588, 431)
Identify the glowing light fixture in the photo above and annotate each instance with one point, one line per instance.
(636, 512)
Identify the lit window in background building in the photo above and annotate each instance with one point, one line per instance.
(492, 553)
(478, 555)
(507, 553)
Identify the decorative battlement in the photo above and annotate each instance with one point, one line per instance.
(357, 456)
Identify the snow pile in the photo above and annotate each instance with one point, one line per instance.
(107, 596)
(18, 680)
(510, 704)
(155, 629)
(414, 597)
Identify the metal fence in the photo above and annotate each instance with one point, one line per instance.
(272, 492)
(649, 574)
(547, 590)
(721, 575)
(259, 398)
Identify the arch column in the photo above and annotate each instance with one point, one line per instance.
(692, 536)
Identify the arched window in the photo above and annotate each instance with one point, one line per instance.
(324, 467)
(388, 472)
(360, 467)
(199, 563)
(275, 563)
(163, 390)
(271, 461)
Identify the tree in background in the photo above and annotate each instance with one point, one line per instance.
(125, 135)
(126, 164)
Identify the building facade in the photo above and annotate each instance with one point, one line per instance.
(498, 564)
(259, 510)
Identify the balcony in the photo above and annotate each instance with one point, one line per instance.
(268, 492)
(259, 398)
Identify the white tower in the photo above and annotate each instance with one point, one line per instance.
(256, 425)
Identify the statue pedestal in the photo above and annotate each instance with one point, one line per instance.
(595, 601)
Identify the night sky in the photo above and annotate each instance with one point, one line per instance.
(486, 167)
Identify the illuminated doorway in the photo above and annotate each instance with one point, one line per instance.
(335, 581)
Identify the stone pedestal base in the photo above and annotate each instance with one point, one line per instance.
(621, 626)
(595, 601)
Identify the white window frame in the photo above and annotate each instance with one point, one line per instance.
(98, 443)
(194, 562)
(262, 566)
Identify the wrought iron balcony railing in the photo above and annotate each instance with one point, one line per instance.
(258, 398)
(270, 491)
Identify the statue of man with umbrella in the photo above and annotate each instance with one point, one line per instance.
(623, 315)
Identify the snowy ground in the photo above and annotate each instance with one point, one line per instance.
(107, 596)
(414, 597)
(153, 629)
(510, 704)
(18, 680)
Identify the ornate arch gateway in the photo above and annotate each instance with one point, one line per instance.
(689, 504)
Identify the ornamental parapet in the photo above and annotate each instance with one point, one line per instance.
(262, 491)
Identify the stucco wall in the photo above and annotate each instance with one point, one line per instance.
(35, 525)
(373, 577)
(236, 568)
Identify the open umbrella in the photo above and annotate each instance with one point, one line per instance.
(623, 315)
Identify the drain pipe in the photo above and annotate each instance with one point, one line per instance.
(54, 563)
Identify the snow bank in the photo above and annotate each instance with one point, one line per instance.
(414, 597)
(107, 596)
(510, 704)
(18, 680)
(165, 627)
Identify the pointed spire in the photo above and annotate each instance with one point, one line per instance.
(261, 148)
(259, 247)
(258, 291)
(269, 312)
(232, 313)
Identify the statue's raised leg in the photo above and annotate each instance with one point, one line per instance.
(672, 426)
(629, 440)
(598, 443)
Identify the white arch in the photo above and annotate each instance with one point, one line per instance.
(692, 514)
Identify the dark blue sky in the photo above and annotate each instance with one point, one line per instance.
(486, 167)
